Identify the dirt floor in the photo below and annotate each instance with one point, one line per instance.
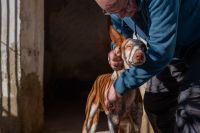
(67, 117)
(65, 108)
(65, 114)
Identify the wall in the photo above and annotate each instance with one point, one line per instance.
(76, 47)
(76, 43)
(21, 66)
(76, 39)
(9, 65)
(32, 53)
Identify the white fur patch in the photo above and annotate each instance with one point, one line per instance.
(133, 52)
(89, 123)
(93, 110)
(93, 128)
(115, 119)
(110, 126)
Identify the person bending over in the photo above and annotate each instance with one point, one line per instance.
(171, 30)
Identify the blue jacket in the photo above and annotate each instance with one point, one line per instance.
(166, 25)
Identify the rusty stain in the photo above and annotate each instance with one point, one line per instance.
(31, 103)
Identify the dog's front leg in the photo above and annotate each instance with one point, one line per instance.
(113, 128)
(95, 121)
(92, 116)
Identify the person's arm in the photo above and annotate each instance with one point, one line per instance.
(116, 23)
(163, 19)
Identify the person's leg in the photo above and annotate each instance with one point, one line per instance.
(188, 112)
(160, 100)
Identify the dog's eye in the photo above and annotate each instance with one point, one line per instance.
(129, 46)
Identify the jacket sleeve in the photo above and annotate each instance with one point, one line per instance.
(162, 29)
(121, 27)
(116, 23)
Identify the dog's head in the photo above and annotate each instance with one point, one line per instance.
(133, 52)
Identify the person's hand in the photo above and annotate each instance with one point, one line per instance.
(112, 100)
(115, 60)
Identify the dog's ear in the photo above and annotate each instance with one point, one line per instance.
(115, 36)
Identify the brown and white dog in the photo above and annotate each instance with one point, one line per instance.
(129, 119)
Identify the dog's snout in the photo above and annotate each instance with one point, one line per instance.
(139, 55)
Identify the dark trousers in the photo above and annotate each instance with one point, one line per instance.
(172, 98)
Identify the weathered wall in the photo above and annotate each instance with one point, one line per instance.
(76, 45)
(9, 66)
(32, 52)
(21, 66)
(76, 39)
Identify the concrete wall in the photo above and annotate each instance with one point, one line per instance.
(9, 65)
(76, 46)
(32, 53)
(76, 39)
(21, 66)
(76, 43)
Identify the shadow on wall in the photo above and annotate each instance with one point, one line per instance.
(76, 48)
(76, 43)
(8, 122)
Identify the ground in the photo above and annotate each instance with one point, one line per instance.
(65, 114)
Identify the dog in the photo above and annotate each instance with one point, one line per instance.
(130, 117)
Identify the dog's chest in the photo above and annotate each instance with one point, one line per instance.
(128, 100)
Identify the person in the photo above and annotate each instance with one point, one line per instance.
(172, 68)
